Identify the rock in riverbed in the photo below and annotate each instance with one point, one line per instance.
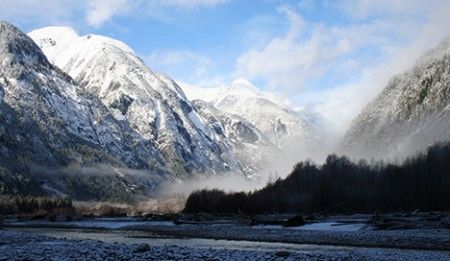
(142, 248)
(295, 221)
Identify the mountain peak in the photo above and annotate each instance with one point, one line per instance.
(17, 47)
(56, 31)
(241, 82)
(243, 85)
(53, 35)
(61, 36)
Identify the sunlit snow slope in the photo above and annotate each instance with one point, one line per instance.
(411, 113)
(287, 130)
(150, 103)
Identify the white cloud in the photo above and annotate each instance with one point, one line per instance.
(101, 11)
(383, 39)
(290, 61)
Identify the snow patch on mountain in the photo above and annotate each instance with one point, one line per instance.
(284, 136)
(152, 104)
(262, 109)
(48, 120)
(411, 113)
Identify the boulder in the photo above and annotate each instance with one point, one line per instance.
(295, 221)
(142, 248)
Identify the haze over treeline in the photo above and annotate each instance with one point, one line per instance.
(340, 185)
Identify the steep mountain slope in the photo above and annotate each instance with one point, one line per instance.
(275, 121)
(47, 120)
(248, 144)
(151, 104)
(284, 128)
(412, 112)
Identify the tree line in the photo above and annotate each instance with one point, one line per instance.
(11, 205)
(340, 185)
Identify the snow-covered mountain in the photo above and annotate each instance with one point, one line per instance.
(48, 120)
(248, 144)
(284, 128)
(411, 113)
(47, 117)
(150, 103)
(277, 122)
(69, 100)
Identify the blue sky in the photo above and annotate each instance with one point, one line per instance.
(328, 57)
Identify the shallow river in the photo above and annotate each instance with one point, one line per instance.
(115, 230)
(137, 237)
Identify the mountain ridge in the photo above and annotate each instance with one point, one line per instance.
(411, 113)
(151, 103)
(48, 120)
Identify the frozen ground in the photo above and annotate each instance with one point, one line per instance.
(321, 226)
(321, 233)
(427, 239)
(25, 246)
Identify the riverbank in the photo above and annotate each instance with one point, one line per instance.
(423, 239)
(16, 245)
(417, 236)
(353, 230)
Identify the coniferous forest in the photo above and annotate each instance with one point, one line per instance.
(343, 186)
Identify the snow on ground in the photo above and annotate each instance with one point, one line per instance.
(431, 239)
(26, 246)
(322, 226)
(332, 226)
(323, 233)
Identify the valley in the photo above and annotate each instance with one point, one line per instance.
(146, 130)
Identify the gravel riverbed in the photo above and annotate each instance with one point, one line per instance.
(16, 245)
(423, 239)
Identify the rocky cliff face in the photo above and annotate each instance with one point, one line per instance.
(411, 113)
(248, 145)
(48, 120)
(151, 104)
(45, 117)
(275, 121)
(291, 136)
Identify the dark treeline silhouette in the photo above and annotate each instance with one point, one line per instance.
(342, 186)
(10, 205)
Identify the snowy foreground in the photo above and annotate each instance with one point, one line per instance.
(16, 245)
